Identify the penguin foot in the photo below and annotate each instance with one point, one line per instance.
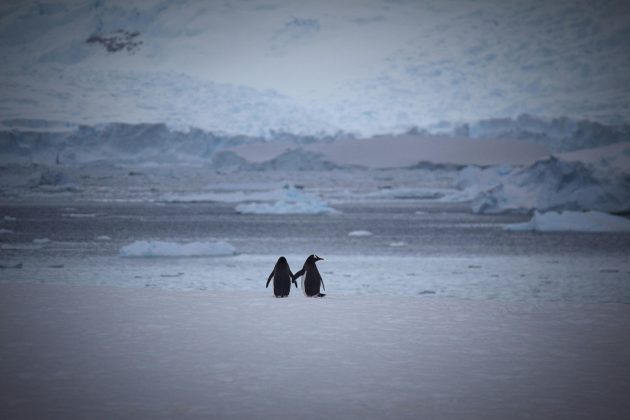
(320, 295)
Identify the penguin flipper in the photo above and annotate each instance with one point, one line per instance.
(323, 287)
(298, 274)
(269, 279)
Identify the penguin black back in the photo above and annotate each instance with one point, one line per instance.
(282, 278)
(311, 279)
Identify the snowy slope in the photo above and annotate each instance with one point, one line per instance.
(358, 66)
(102, 353)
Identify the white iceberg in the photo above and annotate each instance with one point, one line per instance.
(558, 184)
(294, 201)
(176, 249)
(572, 221)
(360, 233)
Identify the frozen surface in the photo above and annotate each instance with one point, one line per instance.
(590, 221)
(174, 249)
(100, 353)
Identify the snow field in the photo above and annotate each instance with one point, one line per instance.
(99, 353)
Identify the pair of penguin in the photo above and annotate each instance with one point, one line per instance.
(283, 277)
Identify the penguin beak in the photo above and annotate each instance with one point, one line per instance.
(318, 258)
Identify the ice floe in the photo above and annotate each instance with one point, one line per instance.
(572, 221)
(176, 249)
(360, 233)
(293, 201)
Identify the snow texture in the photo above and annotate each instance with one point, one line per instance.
(100, 353)
(572, 221)
(175, 249)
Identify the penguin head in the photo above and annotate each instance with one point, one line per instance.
(282, 261)
(313, 258)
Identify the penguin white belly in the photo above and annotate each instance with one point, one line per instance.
(302, 283)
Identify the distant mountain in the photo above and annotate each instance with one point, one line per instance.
(313, 68)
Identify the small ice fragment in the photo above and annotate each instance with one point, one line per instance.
(40, 241)
(103, 238)
(398, 243)
(360, 233)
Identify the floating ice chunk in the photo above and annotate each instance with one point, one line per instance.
(360, 233)
(6, 231)
(293, 201)
(224, 197)
(590, 221)
(400, 243)
(176, 249)
(39, 241)
(9, 219)
(82, 215)
(103, 238)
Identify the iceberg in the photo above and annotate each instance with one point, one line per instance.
(293, 202)
(176, 249)
(572, 221)
(557, 184)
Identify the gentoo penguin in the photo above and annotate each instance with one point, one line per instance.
(282, 278)
(311, 279)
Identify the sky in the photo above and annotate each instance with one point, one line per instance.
(371, 66)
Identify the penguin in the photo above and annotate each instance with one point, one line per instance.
(282, 278)
(311, 279)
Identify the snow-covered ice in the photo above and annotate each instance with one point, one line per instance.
(573, 221)
(552, 184)
(102, 353)
(175, 249)
(293, 201)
